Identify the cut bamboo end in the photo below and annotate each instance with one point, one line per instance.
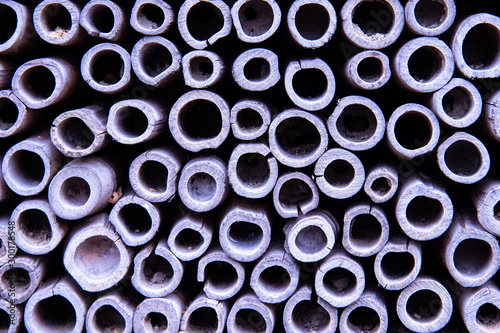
(430, 18)
(16, 117)
(104, 19)
(480, 308)
(20, 24)
(381, 183)
(110, 312)
(159, 313)
(151, 17)
(256, 70)
(255, 20)
(190, 237)
(294, 194)
(250, 119)
(250, 314)
(202, 69)
(368, 311)
(203, 310)
(368, 70)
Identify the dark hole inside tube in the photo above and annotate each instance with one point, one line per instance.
(456, 102)
(28, 167)
(496, 210)
(202, 186)
(472, 256)
(108, 68)
(430, 13)
(204, 20)
(75, 191)
(201, 68)
(309, 83)
(381, 186)
(424, 305)
(339, 281)
(4, 321)
(311, 239)
(136, 219)
(253, 169)
(201, 119)
(8, 114)
(363, 319)
(249, 120)
(245, 235)
(155, 322)
(256, 17)
(274, 279)
(373, 17)
(108, 319)
(310, 317)
(75, 133)
(425, 63)
(357, 123)
(150, 16)
(203, 320)
(131, 121)
(424, 211)
(298, 137)
(294, 192)
(56, 18)
(102, 18)
(339, 173)
(155, 59)
(8, 23)
(38, 82)
(365, 230)
(257, 69)
(312, 21)
(249, 320)
(413, 130)
(156, 270)
(189, 239)
(488, 316)
(221, 274)
(35, 225)
(55, 314)
(396, 265)
(154, 176)
(370, 69)
(21, 278)
(463, 158)
(481, 46)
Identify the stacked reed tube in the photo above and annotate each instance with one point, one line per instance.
(249, 166)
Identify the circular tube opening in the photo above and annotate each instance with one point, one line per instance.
(35, 225)
(21, 279)
(54, 314)
(131, 121)
(472, 256)
(370, 69)
(430, 13)
(202, 186)
(424, 211)
(9, 112)
(424, 305)
(107, 67)
(425, 63)
(75, 133)
(150, 16)
(365, 230)
(56, 18)
(248, 120)
(155, 58)
(413, 130)
(27, 168)
(312, 21)
(38, 82)
(249, 320)
(203, 320)
(339, 173)
(154, 176)
(381, 185)
(274, 279)
(357, 123)
(102, 18)
(188, 239)
(294, 192)
(108, 319)
(311, 239)
(488, 317)
(363, 319)
(463, 158)
(457, 102)
(245, 235)
(309, 83)
(253, 169)
(297, 137)
(201, 68)
(8, 17)
(156, 271)
(75, 191)
(200, 119)
(481, 46)
(367, 16)
(396, 265)
(310, 317)
(257, 69)
(136, 219)
(97, 257)
(155, 322)
(256, 17)
(204, 20)
(221, 274)
(339, 281)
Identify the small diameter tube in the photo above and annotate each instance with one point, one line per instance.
(294, 194)
(255, 21)
(16, 117)
(249, 119)
(429, 17)
(369, 310)
(368, 70)
(104, 19)
(248, 314)
(381, 183)
(480, 308)
(110, 312)
(151, 17)
(20, 25)
(163, 313)
(207, 313)
(256, 70)
(190, 237)
(202, 69)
